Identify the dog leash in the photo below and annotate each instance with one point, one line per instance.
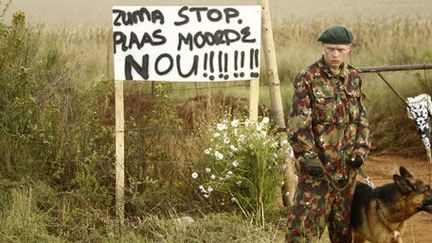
(366, 177)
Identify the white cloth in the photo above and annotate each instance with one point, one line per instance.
(420, 110)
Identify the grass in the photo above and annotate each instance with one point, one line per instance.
(25, 221)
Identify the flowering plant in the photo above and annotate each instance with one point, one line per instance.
(243, 162)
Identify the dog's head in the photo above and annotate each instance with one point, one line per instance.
(417, 195)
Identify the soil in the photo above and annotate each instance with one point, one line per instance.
(381, 168)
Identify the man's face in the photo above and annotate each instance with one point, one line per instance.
(335, 55)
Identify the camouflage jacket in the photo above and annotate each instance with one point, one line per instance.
(328, 119)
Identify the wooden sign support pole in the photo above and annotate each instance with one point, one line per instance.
(271, 64)
(254, 99)
(275, 94)
(120, 149)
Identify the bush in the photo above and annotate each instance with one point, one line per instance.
(243, 167)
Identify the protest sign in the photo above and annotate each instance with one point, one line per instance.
(185, 43)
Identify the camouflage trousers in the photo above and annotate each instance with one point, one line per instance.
(317, 203)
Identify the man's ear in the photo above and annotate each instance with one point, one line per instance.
(405, 173)
(403, 184)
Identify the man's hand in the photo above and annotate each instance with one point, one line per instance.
(355, 162)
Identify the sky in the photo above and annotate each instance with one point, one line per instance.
(72, 13)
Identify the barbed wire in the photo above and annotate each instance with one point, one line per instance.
(162, 129)
(208, 87)
(213, 87)
(152, 130)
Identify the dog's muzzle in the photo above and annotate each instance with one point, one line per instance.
(427, 206)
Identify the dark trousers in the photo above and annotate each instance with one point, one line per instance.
(318, 203)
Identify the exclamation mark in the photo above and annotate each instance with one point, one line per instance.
(205, 65)
(211, 77)
(242, 59)
(236, 64)
(226, 76)
(242, 62)
(254, 62)
(256, 58)
(251, 59)
(220, 64)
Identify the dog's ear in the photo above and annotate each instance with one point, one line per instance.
(405, 173)
(403, 184)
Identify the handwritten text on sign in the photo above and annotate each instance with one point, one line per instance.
(183, 43)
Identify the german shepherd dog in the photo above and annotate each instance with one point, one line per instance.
(378, 215)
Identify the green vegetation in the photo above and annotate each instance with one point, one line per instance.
(57, 142)
(243, 167)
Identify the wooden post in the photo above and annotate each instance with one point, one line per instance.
(275, 95)
(119, 134)
(254, 99)
(271, 64)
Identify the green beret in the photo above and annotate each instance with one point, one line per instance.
(336, 35)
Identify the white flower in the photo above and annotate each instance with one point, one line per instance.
(235, 123)
(235, 164)
(274, 145)
(194, 175)
(242, 138)
(208, 170)
(206, 195)
(246, 122)
(218, 155)
(263, 134)
(283, 142)
(212, 177)
(259, 127)
(202, 190)
(229, 174)
(239, 183)
(235, 132)
(265, 120)
(226, 141)
(233, 200)
(233, 148)
(290, 152)
(207, 151)
(216, 135)
(221, 126)
(209, 189)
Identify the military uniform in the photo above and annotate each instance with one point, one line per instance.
(327, 127)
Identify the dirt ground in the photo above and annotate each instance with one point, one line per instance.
(381, 168)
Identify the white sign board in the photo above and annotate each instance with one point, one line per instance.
(184, 43)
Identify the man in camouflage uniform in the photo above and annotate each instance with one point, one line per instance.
(328, 130)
